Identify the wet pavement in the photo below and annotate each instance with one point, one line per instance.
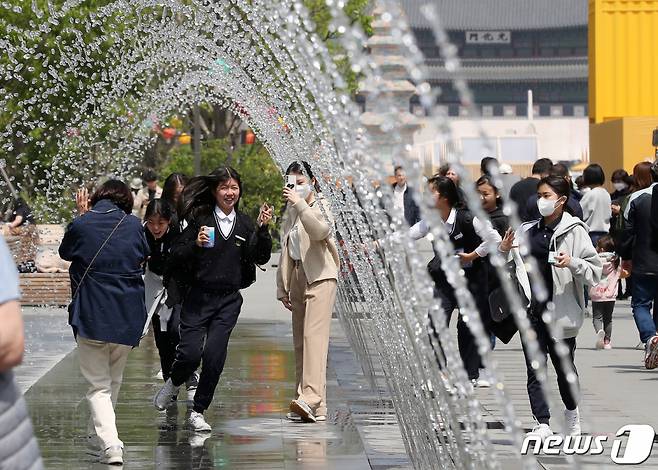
(248, 414)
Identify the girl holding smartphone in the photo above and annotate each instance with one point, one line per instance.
(567, 261)
(216, 272)
(306, 285)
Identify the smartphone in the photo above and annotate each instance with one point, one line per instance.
(291, 181)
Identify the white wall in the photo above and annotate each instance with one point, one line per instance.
(524, 141)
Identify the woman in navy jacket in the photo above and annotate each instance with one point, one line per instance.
(107, 248)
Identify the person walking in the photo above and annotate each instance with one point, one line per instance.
(107, 249)
(561, 170)
(567, 261)
(604, 294)
(472, 241)
(642, 260)
(172, 191)
(403, 200)
(527, 187)
(596, 202)
(146, 194)
(19, 449)
(306, 284)
(623, 184)
(218, 251)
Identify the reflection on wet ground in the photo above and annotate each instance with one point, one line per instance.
(248, 414)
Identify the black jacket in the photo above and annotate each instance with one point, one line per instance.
(411, 211)
(637, 236)
(203, 267)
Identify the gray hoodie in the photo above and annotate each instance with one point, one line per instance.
(572, 237)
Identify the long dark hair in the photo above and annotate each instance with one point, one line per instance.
(117, 192)
(159, 207)
(303, 168)
(561, 187)
(169, 190)
(198, 195)
(446, 188)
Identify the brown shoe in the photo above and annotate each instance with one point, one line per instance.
(301, 408)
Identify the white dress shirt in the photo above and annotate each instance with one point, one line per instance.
(490, 238)
(398, 197)
(225, 222)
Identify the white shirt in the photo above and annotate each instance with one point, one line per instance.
(225, 222)
(634, 196)
(490, 238)
(294, 248)
(398, 197)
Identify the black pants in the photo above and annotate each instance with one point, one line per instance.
(211, 315)
(468, 350)
(167, 341)
(547, 344)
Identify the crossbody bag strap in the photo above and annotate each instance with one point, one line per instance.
(97, 253)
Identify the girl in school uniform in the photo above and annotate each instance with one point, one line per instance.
(218, 251)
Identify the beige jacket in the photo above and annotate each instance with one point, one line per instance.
(319, 254)
(141, 200)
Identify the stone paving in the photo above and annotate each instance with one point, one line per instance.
(249, 428)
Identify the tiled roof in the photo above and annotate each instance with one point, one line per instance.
(466, 15)
(544, 71)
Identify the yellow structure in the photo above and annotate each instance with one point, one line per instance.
(623, 81)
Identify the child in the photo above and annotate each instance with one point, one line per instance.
(604, 293)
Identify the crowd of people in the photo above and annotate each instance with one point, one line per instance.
(587, 244)
(174, 260)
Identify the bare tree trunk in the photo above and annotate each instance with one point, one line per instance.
(219, 122)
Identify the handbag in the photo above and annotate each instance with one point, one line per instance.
(503, 325)
(84, 275)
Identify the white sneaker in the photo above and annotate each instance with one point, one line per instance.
(651, 354)
(113, 456)
(482, 383)
(572, 422)
(198, 422)
(607, 346)
(304, 411)
(600, 339)
(320, 418)
(541, 430)
(164, 396)
(197, 440)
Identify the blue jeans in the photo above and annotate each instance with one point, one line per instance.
(645, 295)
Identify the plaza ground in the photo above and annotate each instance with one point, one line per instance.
(248, 414)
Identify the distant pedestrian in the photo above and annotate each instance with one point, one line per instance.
(107, 248)
(604, 293)
(508, 178)
(596, 202)
(521, 191)
(403, 200)
(150, 191)
(642, 260)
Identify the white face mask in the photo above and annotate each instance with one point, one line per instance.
(546, 206)
(620, 186)
(303, 190)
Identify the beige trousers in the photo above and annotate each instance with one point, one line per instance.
(102, 365)
(312, 305)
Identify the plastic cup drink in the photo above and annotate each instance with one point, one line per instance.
(210, 231)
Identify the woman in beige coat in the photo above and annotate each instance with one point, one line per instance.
(306, 285)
